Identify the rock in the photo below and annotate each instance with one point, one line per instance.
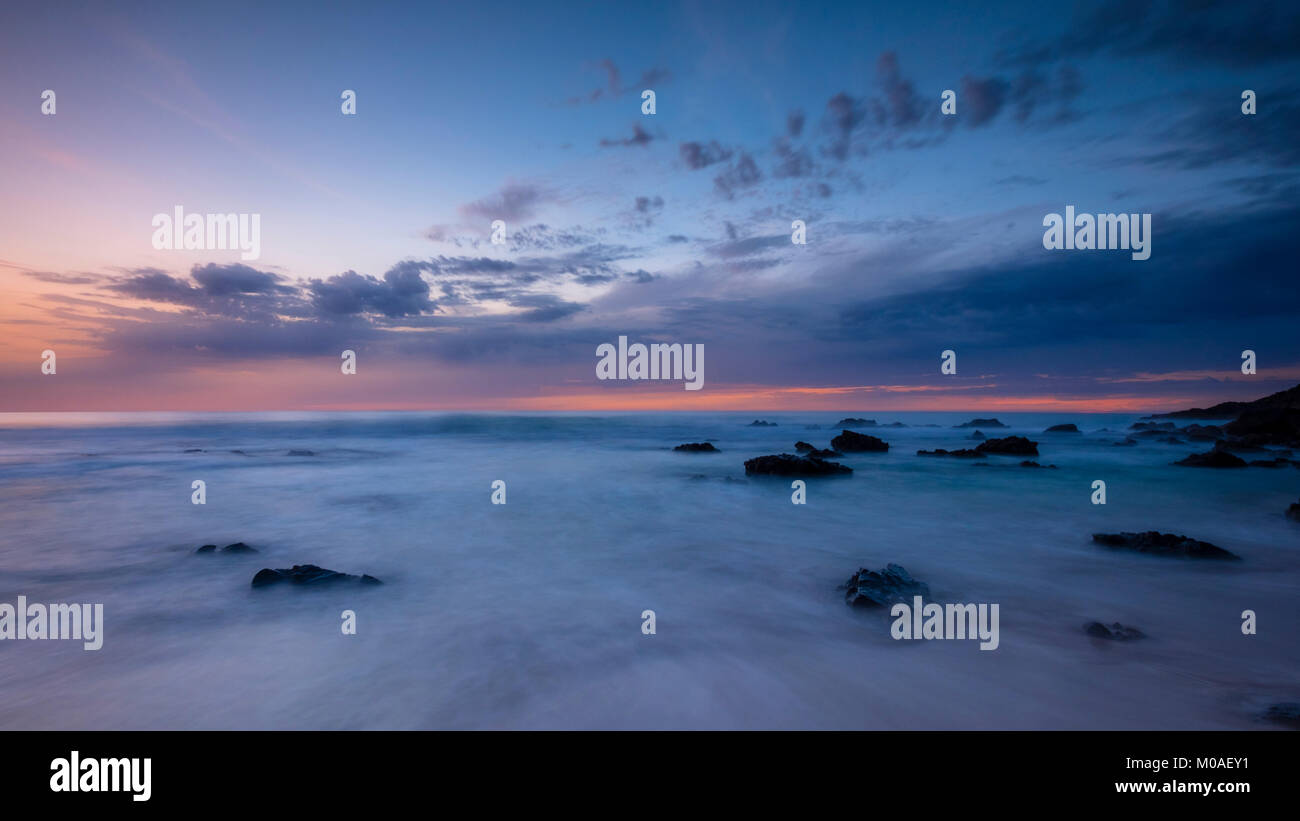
(1129, 442)
(825, 454)
(309, 575)
(1202, 433)
(1066, 428)
(1271, 463)
(696, 447)
(1286, 713)
(762, 423)
(964, 453)
(240, 452)
(237, 547)
(302, 453)
(1029, 464)
(1012, 445)
(787, 464)
(894, 425)
(1152, 426)
(1293, 512)
(1115, 632)
(1163, 544)
(1289, 398)
(854, 422)
(867, 588)
(981, 423)
(850, 442)
(978, 435)
(195, 450)
(803, 447)
(1172, 440)
(1266, 426)
(1212, 459)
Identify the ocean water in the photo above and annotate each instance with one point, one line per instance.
(528, 615)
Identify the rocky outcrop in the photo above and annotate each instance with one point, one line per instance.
(850, 442)
(696, 447)
(1286, 713)
(964, 453)
(824, 454)
(1010, 445)
(237, 547)
(854, 422)
(981, 423)
(1293, 512)
(979, 435)
(301, 453)
(1163, 544)
(803, 447)
(787, 464)
(1127, 443)
(1068, 427)
(870, 589)
(1266, 426)
(308, 575)
(1289, 398)
(761, 423)
(1166, 426)
(1202, 433)
(1215, 458)
(1113, 632)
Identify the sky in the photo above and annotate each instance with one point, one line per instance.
(924, 230)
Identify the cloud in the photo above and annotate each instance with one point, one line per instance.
(702, 155)
(513, 203)
(743, 173)
(640, 137)
(402, 292)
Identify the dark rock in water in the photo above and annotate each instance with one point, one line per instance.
(1115, 632)
(237, 547)
(762, 423)
(1163, 544)
(697, 447)
(824, 454)
(1202, 433)
(1152, 426)
(1129, 442)
(894, 425)
(854, 422)
(964, 453)
(1238, 447)
(803, 447)
(1066, 428)
(787, 464)
(195, 450)
(1013, 445)
(1151, 434)
(1172, 440)
(1293, 512)
(850, 442)
(867, 588)
(979, 435)
(1212, 459)
(981, 423)
(240, 452)
(1266, 426)
(1272, 463)
(302, 453)
(1286, 713)
(309, 575)
(1029, 464)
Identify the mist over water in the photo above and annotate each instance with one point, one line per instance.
(528, 615)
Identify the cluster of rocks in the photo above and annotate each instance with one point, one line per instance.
(697, 447)
(981, 423)
(237, 547)
(788, 464)
(308, 575)
(1113, 632)
(869, 588)
(1163, 544)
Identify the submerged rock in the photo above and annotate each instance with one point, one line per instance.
(850, 442)
(824, 454)
(1013, 445)
(308, 574)
(854, 422)
(979, 434)
(867, 588)
(697, 447)
(762, 423)
(981, 423)
(1069, 427)
(302, 453)
(1115, 632)
(1212, 459)
(1029, 464)
(1286, 713)
(1163, 544)
(787, 464)
(237, 547)
(1293, 512)
(964, 453)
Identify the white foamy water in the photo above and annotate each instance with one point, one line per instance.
(528, 615)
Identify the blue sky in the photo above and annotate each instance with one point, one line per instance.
(924, 230)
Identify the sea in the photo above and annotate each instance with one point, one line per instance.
(535, 613)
